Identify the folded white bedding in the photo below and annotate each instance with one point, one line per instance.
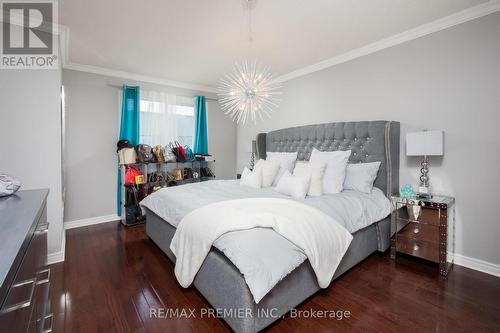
(263, 256)
(322, 239)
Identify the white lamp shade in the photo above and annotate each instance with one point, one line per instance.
(425, 143)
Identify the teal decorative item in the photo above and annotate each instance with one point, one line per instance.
(406, 191)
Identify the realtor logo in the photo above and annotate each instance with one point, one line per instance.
(29, 31)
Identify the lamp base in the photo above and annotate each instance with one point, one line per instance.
(424, 192)
(252, 161)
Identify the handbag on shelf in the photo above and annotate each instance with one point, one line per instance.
(178, 151)
(169, 154)
(159, 153)
(145, 153)
(130, 175)
(189, 154)
(127, 156)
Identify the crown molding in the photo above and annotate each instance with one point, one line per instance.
(64, 35)
(420, 31)
(137, 77)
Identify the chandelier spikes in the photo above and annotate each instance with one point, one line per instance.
(248, 92)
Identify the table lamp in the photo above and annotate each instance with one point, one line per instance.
(252, 149)
(425, 143)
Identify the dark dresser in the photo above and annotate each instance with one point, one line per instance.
(24, 277)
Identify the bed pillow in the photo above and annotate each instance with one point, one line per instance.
(269, 171)
(251, 178)
(315, 171)
(336, 163)
(293, 186)
(360, 176)
(287, 162)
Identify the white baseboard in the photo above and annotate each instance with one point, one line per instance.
(56, 257)
(90, 221)
(477, 264)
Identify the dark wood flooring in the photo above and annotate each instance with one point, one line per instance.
(112, 276)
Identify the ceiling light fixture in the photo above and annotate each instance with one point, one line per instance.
(250, 90)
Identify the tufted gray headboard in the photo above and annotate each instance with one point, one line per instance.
(369, 141)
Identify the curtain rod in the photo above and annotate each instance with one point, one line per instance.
(121, 86)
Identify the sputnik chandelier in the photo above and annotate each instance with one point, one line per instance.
(250, 90)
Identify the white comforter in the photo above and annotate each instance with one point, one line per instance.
(323, 240)
(263, 256)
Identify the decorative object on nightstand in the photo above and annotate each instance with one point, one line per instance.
(406, 191)
(252, 150)
(424, 143)
(428, 234)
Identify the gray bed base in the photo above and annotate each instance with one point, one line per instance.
(221, 283)
(224, 287)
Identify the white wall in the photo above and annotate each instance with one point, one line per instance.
(449, 80)
(30, 137)
(92, 108)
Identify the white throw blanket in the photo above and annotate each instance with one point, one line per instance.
(323, 240)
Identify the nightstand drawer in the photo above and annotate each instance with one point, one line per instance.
(427, 215)
(418, 248)
(420, 231)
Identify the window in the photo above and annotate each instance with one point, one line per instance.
(166, 118)
(185, 124)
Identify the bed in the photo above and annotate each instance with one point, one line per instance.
(220, 281)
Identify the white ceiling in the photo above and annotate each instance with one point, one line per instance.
(197, 41)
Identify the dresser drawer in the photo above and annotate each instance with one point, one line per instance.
(421, 231)
(15, 314)
(28, 294)
(418, 248)
(40, 303)
(36, 255)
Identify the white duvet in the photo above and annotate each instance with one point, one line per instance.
(323, 240)
(263, 256)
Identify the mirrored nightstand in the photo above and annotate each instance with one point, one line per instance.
(424, 228)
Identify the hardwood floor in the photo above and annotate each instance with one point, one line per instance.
(112, 276)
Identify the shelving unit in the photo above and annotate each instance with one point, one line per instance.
(162, 169)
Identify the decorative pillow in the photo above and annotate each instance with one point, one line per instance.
(336, 163)
(360, 176)
(251, 178)
(315, 171)
(287, 162)
(269, 171)
(293, 186)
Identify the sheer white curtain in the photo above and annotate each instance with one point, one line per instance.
(158, 118)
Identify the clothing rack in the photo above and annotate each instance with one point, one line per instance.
(121, 86)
